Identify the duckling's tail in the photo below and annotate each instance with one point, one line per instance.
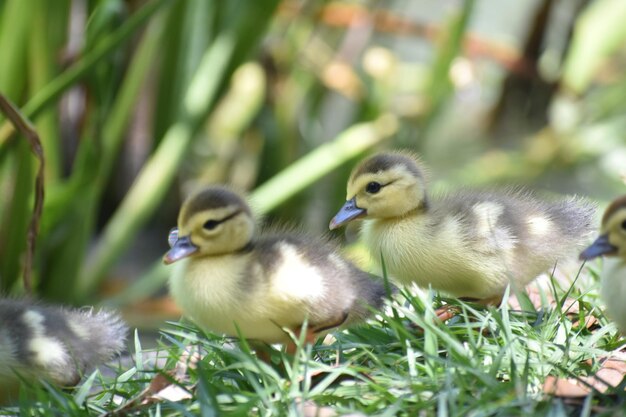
(372, 294)
(54, 343)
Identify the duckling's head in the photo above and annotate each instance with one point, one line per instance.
(387, 185)
(612, 239)
(214, 221)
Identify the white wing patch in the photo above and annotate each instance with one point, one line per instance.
(539, 225)
(487, 214)
(47, 350)
(80, 330)
(295, 278)
(498, 238)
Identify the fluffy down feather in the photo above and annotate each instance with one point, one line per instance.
(54, 343)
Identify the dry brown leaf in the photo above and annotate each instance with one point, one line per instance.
(610, 375)
(173, 386)
(564, 387)
(310, 409)
(590, 322)
(158, 383)
(173, 393)
(541, 287)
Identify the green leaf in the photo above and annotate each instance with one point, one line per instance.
(15, 224)
(14, 27)
(350, 143)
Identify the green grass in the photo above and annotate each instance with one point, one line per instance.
(483, 362)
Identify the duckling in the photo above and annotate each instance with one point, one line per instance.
(469, 244)
(612, 243)
(53, 343)
(235, 281)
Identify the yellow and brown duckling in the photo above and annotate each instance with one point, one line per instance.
(469, 243)
(612, 244)
(235, 279)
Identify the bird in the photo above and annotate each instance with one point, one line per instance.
(612, 244)
(53, 343)
(237, 281)
(469, 243)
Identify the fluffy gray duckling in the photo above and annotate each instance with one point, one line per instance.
(53, 343)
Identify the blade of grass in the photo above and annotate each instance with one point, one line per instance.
(15, 26)
(14, 226)
(321, 161)
(50, 19)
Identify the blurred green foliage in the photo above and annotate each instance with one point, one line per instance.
(132, 99)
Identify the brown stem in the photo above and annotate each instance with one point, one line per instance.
(25, 127)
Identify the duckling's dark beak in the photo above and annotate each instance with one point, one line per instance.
(348, 212)
(600, 247)
(180, 249)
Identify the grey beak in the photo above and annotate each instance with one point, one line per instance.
(600, 247)
(180, 249)
(348, 212)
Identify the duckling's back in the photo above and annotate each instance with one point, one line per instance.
(524, 233)
(475, 243)
(521, 212)
(347, 293)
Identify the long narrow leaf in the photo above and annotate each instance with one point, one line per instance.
(321, 161)
(14, 27)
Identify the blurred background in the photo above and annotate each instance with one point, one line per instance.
(137, 103)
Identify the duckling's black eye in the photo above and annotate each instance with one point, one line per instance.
(210, 224)
(624, 225)
(373, 187)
